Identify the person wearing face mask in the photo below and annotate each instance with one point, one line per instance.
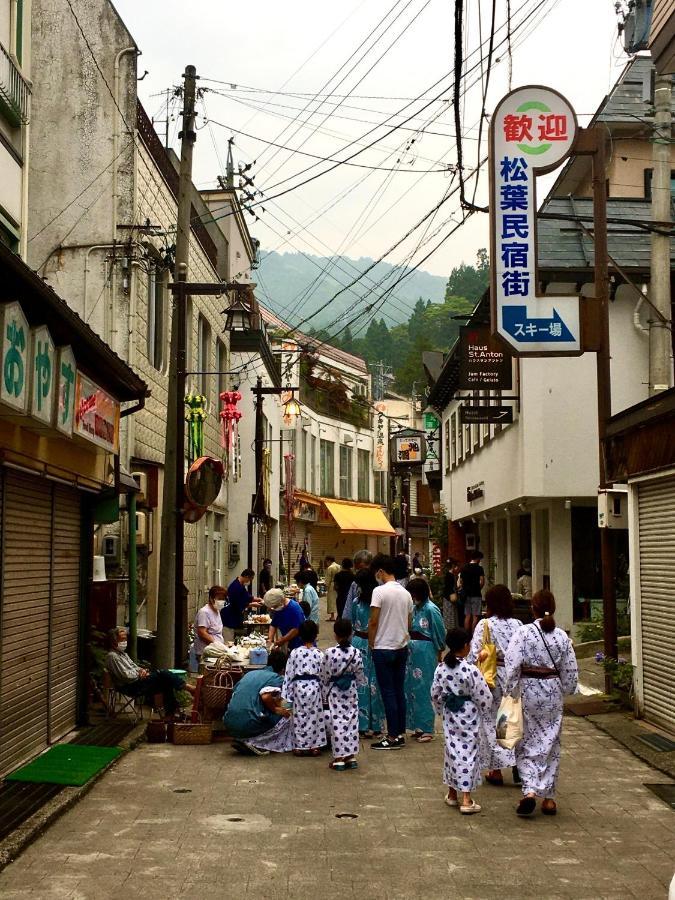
(238, 600)
(157, 688)
(208, 623)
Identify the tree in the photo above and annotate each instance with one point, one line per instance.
(411, 370)
(469, 281)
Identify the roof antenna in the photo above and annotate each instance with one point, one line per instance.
(230, 164)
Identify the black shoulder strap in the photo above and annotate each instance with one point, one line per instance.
(548, 649)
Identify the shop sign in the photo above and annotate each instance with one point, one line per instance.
(484, 363)
(65, 390)
(381, 455)
(15, 350)
(475, 492)
(408, 447)
(531, 132)
(306, 512)
(436, 558)
(432, 436)
(97, 415)
(486, 415)
(43, 375)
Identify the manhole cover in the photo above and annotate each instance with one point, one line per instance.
(182, 791)
(657, 742)
(235, 819)
(665, 792)
(346, 816)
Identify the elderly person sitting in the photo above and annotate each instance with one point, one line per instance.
(157, 688)
(208, 623)
(256, 717)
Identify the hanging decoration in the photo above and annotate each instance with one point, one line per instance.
(229, 432)
(266, 474)
(195, 417)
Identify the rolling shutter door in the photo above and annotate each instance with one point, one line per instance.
(656, 522)
(26, 576)
(64, 616)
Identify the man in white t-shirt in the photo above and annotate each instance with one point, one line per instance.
(388, 635)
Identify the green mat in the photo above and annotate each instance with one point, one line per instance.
(71, 764)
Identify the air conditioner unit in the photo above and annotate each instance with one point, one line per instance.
(612, 509)
(141, 529)
(142, 479)
(233, 552)
(111, 547)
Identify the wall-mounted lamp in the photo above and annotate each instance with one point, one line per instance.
(568, 504)
(237, 316)
(348, 439)
(522, 507)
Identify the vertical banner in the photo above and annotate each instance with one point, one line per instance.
(381, 454)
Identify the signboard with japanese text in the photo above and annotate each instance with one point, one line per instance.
(381, 425)
(531, 132)
(14, 357)
(43, 375)
(97, 415)
(484, 362)
(408, 448)
(65, 390)
(432, 435)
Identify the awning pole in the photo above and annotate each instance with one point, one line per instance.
(133, 605)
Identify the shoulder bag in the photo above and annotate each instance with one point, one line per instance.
(488, 665)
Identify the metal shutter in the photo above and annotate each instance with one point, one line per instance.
(64, 615)
(26, 582)
(656, 518)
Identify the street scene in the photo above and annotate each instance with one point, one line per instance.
(337, 449)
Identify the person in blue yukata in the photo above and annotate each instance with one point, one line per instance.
(310, 595)
(256, 707)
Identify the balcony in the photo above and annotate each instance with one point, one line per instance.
(14, 91)
(329, 398)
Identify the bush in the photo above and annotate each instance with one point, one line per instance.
(620, 671)
(594, 630)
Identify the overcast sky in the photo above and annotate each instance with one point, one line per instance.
(297, 47)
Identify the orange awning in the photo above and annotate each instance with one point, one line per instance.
(358, 518)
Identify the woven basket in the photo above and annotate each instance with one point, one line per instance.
(185, 733)
(156, 732)
(217, 692)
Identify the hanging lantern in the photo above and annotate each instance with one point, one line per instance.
(291, 408)
(229, 431)
(195, 417)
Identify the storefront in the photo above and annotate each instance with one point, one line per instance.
(641, 453)
(60, 394)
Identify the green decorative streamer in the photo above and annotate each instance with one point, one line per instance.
(195, 417)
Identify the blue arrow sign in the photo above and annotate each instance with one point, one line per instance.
(515, 322)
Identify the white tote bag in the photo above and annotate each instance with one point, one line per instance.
(510, 722)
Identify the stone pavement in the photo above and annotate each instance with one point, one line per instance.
(170, 822)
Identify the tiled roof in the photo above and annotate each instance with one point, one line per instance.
(563, 246)
(625, 103)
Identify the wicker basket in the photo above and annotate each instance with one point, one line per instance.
(217, 692)
(185, 733)
(157, 732)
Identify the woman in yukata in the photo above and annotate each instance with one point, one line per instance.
(427, 641)
(540, 667)
(500, 627)
(302, 688)
(342, 673)
(461, 696)
(371, 708)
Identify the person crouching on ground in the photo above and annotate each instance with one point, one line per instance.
(461, 696)
(302, 689)
(157, 688)
(256, 717)
(541, 668)
(342, 672)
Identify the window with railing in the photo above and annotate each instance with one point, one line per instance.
(312, 465)
(345, 472)
(327, 468)
(158, 317)
(204, 356)
(380, 480)
(363, 487)
(14, 91)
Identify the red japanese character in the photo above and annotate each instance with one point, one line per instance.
(554, 128)
(517, 128)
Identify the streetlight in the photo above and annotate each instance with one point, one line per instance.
(237, 316)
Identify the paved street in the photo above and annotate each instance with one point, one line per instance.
(204, 822)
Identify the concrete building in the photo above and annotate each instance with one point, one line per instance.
(103, 207)
(529, 489)
(15, 69)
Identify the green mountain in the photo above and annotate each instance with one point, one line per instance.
(294, 285)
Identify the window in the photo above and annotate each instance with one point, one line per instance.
(203, 356)
(302, 471)
(222, 366)
(188, 341)
(460, 437)
(158, 314)
(345, 472)
(312, 465)
(380, 479)
(217, 550)
(452, 461)
(649, 175)
(446, 445)
(287, 445)
(363, 488)
(327, 466)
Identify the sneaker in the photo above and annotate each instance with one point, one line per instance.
(387, 744)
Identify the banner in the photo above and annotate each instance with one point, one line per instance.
(97, 415)
(381, 454)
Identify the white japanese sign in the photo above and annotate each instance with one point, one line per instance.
(381, 455)
(43, 375)
(532, 132)
(14, 357)
(65, 391)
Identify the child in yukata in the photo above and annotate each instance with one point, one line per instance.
(461, 696)
(303, 689)
(342, 673)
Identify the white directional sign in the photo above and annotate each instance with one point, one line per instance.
(532, 132)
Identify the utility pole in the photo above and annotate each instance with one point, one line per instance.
(659, 326)
(171, 606)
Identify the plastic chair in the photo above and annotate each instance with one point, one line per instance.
(116, 701)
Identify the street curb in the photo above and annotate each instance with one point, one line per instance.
(14, 845)
(626, 731)
(590, 648)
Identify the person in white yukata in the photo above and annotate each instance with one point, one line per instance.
(540, 667)
(303, 689)
(461, 696)
(342, 672)
(501, 627)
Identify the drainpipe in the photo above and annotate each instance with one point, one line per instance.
(133, 607)
(115, 151)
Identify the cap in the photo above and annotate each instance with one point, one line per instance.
(274, 598)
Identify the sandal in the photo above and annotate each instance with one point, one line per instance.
(338, 765)
(470, 810)
(495, 778)
(314, 752)
(451, 801)
(526, 806)
(424, 738)
(548, 807)
(351, 764)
